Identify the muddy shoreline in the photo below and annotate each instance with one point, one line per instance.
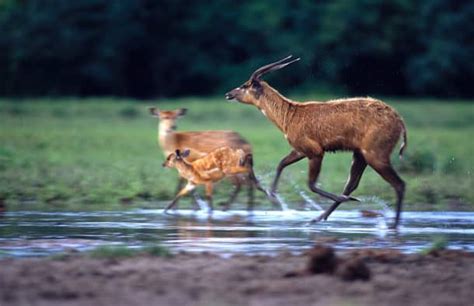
(357, 277)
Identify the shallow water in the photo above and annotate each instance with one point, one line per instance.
(25, 234)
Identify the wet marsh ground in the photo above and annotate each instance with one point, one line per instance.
(319, 277)
(102, 154)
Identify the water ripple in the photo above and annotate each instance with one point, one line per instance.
(29, 233)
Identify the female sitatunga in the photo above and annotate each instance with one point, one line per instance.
(366, 126)
(220, 163)
(200, 143)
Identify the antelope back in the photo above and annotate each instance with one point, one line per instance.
(200, 143)
(224, 159)
(205, 142)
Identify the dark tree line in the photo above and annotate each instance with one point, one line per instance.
(150, 48)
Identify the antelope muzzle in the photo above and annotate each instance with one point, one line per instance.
(231, 95)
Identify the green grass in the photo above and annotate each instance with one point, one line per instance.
(118, 251)
(439, 243)
(103, 154)
(123, 252)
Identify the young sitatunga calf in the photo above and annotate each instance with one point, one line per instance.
(200, 143)
(366, 126)
(218, 164)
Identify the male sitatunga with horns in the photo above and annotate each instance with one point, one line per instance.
(366, 126)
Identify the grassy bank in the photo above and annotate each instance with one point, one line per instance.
(102, 153)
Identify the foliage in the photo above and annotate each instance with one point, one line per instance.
(87, 154)
(439, 243)
(168, 48)
(441, 65)
(112, 252)
(418, 161)
(157, 251)
(124, 251)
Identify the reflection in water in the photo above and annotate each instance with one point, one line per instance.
(3, 207)
(267, 232)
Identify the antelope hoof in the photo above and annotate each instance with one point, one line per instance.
(319, 219)
(393, 227)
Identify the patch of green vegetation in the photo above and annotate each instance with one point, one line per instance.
(418, 161)
(124, 251)
(60, 256)
(112, 252)
(102, 154)
(157, 250)
(439, 243)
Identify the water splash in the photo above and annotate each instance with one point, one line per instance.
(382, 226)
(310, 201)
(275, 198)
(203, 205)
(382, 204)
(281, 201)
(302, 193)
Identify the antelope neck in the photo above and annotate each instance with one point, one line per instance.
(164, 131)
(276, 108)
(187, 170)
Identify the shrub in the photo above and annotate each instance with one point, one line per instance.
(129, 112)
(451, 165)
(418, 161)
(438, 243)
(112, 252)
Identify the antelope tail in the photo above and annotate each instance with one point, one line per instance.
(404, 143)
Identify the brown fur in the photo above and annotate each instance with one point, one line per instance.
(366, 126)
(210, 169)
(344, 124)
(200, 143)
(213, 167)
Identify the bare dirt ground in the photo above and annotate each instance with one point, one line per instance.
(362, 277)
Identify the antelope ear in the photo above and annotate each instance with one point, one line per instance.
(178, 153)
(185, 153)
(181, 112)
(154, 111)
(258, 89)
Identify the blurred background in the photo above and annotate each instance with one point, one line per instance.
(78, 76)
(147, 48)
